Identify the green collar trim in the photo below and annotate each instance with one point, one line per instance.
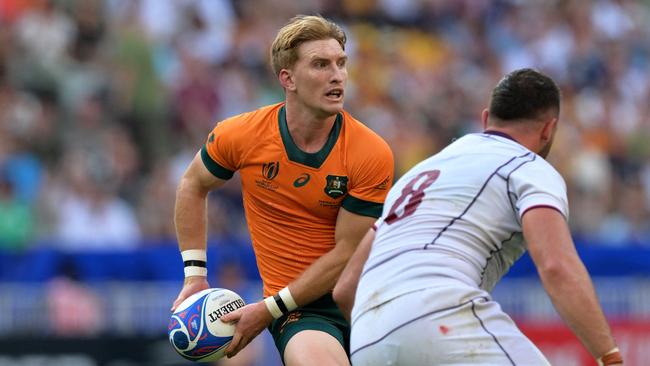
(314, 160)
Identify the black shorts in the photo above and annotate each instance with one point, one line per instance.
(322, 315)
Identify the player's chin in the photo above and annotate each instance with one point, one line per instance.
(333, 107)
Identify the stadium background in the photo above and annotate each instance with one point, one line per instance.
(103, 104)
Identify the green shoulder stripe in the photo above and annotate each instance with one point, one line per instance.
(361, 207)
(214, 168)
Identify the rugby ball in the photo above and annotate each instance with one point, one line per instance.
(195, 329)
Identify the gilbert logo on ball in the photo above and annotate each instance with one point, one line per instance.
(195, 329)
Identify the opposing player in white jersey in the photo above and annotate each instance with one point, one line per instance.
(451, 228)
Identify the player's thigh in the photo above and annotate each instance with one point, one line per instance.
(314, 347)
(325, 325)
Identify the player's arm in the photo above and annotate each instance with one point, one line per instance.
(346, 287)
(320, 278)
(317, 280)
(566, 280)
(190, 219)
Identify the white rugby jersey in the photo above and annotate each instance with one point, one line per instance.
(456, 216)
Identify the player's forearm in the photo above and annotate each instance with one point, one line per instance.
(571, 291)
(319, 278)
(190, 217)
(346, 286)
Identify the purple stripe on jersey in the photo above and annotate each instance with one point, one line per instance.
(512, 204)
(542, 206)
(452, 220)
(492, 253)
(490, 333)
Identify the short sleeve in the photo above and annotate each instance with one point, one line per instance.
(538, 184)
(372, 177)
(223, 149)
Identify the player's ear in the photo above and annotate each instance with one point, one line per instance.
(549, 129)
(286, 80)
(484, 118)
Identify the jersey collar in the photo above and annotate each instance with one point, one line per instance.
(314, 160)
(499, 133)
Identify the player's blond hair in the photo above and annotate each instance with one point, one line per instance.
(300, 29)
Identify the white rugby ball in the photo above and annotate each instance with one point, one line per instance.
(195, 329)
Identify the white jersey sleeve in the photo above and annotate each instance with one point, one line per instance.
(539, 184)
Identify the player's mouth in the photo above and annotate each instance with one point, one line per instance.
(335, 94)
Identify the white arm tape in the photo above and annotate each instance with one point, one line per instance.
(194, 254)
(195, 271)
(273, 307)
(289, 302)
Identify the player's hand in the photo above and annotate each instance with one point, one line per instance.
(192, 285)
(251, 321)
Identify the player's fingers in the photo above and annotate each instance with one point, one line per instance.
(242, 343)
(177, 302)
(236, 338)
(232, 316)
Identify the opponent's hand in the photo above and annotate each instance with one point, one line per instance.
(251, 321)
(192, 285)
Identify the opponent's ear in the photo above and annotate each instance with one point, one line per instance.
(549, 129)
(484, 118)
(286, 80)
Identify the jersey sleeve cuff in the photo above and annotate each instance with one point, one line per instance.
(214, 168)
(542, 206)
(361, 207)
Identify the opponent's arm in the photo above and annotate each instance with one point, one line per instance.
(190, 219)
(566, 280)
(346, 287)
(318, 279)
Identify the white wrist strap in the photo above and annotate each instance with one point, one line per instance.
(195, 262)
(288, 300)
(273, 307)
(281, 303)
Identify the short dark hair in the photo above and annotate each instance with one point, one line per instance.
(524, 94)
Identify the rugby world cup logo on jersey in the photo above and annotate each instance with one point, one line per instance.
(336, 186)
(270, 170)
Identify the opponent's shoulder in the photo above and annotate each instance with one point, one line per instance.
(540, 173)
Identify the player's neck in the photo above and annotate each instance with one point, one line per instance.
(525, 138)
(309, 132)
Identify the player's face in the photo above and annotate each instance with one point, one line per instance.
(320, 76)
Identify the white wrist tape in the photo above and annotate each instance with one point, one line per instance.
(195, 262)
(194, 254)
(273, 307)
(195, 271)
(288, 300)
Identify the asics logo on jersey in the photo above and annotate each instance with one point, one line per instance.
(270, 170)
(336, 186)
(301, 180)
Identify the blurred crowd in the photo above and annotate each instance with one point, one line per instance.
(104, 103)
